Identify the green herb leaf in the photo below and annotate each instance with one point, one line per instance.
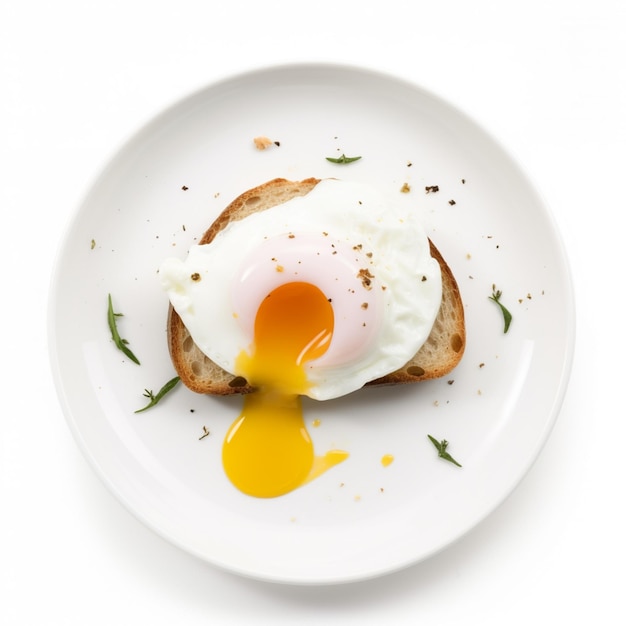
(122, 344)
(154, 399)
(441, 450)
(343, 159)
(495, 296)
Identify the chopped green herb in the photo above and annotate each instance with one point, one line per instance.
(495, 296)
(343, 159)
(154, 399)
(122, 344)
(441, 450)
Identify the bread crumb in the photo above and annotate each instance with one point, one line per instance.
(405, 188)
(262, 142)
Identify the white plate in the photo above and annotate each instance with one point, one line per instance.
(360, 519)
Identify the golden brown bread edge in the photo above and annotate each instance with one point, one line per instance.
(436, 358)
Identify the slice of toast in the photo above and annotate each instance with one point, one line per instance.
(437, 357)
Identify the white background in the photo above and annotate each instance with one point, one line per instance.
(546, 78)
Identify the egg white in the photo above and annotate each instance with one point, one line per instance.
(325, 237)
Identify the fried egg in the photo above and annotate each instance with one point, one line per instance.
(314, 297)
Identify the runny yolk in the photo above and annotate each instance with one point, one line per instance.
(267, 451)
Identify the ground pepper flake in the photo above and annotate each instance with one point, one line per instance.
(366, 278)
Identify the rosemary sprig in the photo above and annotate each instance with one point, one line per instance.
(441, 450)
(343, 159)
(122, 344)
(495, 296)
(155, 398)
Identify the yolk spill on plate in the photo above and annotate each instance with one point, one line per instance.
(267, 451)
(387, 460)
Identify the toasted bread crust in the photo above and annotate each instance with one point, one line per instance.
(437, 357)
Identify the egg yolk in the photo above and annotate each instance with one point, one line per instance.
(267, 451)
